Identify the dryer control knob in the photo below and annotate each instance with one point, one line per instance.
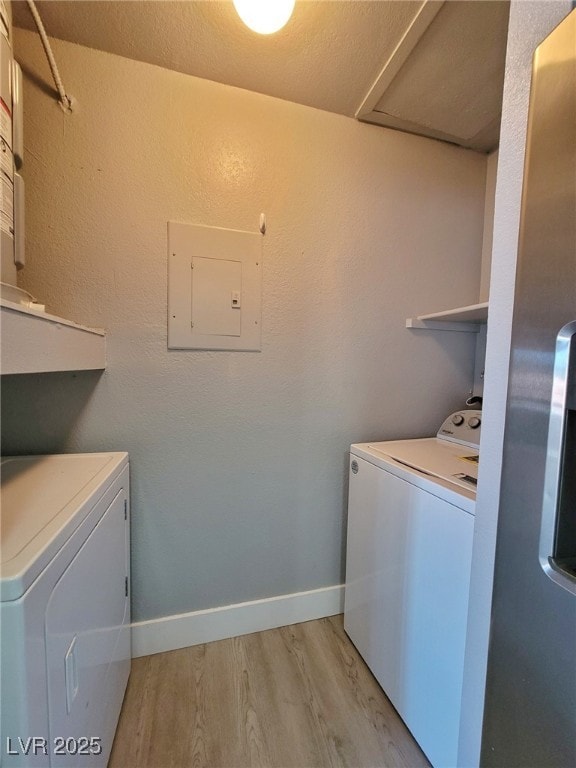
(457, 419)
(474, 422)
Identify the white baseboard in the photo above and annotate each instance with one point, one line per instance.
(184, 629)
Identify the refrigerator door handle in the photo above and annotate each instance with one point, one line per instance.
(558, 529)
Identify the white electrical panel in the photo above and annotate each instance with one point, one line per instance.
(214, 288)
(11, 155)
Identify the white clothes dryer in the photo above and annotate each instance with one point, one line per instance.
(409, 552)
(64, 612)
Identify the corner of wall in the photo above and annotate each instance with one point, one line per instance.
(487, 234)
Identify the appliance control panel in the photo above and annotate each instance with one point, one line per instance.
(462, 427)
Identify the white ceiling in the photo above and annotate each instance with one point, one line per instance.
(329, 56)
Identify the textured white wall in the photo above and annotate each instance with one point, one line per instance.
(489, 201)
(530, 23)
(239, 459)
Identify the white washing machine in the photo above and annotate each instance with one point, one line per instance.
(65, 649)
(409, 552)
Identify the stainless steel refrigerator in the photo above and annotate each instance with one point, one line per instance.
(530, 709)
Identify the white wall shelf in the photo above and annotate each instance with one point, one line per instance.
(36, 342)
(463, 319)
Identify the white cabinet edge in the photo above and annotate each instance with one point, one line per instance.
(36, 342)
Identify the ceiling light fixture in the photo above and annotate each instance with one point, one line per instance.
(264, 16)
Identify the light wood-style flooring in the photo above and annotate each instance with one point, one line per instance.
(295, 697)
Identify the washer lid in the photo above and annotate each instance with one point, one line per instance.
(443, 459)
(44, 499)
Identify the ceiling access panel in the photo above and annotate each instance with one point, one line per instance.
(445, 79)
